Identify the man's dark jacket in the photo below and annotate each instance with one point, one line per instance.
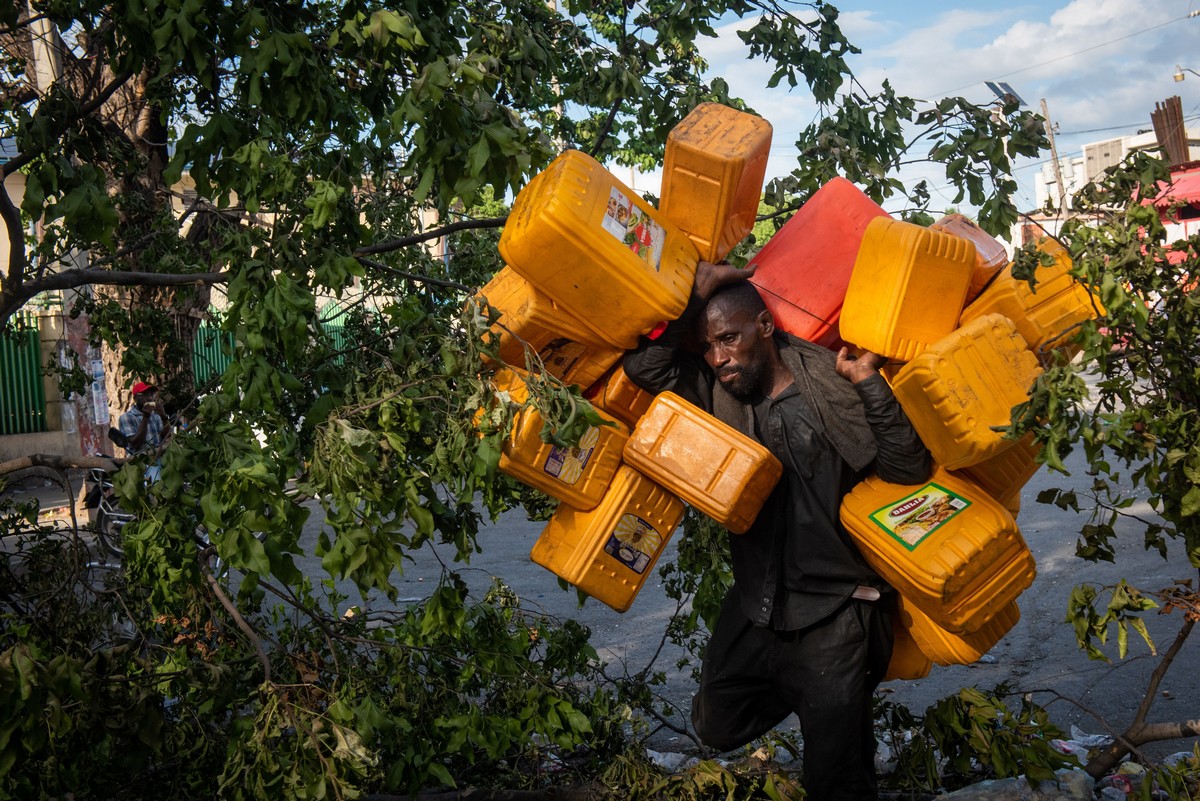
(796, 564)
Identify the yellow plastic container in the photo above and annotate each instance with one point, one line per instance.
(946, 648)
(601, 252)
(990, 256)
(963, 385)
(907, 662)
(609, 552)
(1045, 313)
(713, 173)
(710, 465)
(907, 289)
(1005, 474)
(946, 546)
(617, 395)
(568, 349)
(579, 476)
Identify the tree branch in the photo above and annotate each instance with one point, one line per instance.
(375, 265)
(436, 233)
(585, 792)
(1139, 731)
(606, 128)
(11, 300)
(259, 648)
(59, 462)
(21, 159)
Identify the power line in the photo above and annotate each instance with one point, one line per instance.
(1076, 53)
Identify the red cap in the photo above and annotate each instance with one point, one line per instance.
(141, 387)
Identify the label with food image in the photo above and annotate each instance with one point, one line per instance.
(633, 543)
(635, 229)
(566, 464)
(920, 514)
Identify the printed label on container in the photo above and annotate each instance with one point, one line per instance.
(566, 464)
(633, 543)
(634, 228)
(560, 355)
(916, 517)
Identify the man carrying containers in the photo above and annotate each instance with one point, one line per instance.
(806, 627)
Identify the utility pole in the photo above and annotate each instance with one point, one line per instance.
(1062, 192)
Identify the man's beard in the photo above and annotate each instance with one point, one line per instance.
(746, 382)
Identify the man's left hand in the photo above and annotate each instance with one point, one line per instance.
(856, 368)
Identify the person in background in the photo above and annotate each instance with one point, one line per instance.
(144, 425)
(806, 627)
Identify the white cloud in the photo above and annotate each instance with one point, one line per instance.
(1098, 63)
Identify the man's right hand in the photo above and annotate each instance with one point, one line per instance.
(709, 276)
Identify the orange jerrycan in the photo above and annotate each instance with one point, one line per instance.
(618, 396)
(602, 253)
(609, 551)
(1047, 312)
(569, 351)
(907, 289)
(946, 648)
(965, 384)
(1003, 475)
(710, 465)
(713, 172)
(804, 269)
(945, 546)
(990, 256)
(908, 661)
(579, 476)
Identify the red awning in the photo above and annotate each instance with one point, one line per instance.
(1184, 188)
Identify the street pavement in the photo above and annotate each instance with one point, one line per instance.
(1039, 654)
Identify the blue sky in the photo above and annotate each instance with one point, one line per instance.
(1100, 65)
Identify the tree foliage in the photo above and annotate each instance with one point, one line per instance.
(295, 154)
(1129, 401)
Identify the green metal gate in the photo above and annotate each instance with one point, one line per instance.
(22, 394)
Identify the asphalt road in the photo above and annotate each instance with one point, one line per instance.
(1038, 655)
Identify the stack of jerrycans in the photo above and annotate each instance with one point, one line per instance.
(804, 270)
(951, 548)
(595, 267)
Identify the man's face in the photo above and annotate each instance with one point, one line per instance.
(142, 398)
(736, 345)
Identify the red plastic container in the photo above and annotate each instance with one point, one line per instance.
(804, 270)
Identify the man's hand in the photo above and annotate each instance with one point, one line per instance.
(710, 276)
(856, 368)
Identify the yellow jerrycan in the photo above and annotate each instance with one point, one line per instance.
(568, 350)
(962, 386)
(601, 252)
(1005, 474)
(946, 546)
(713, 171)
(1044, 315)
(610, 551)
(907, 288)
(579, 476)
(946, 648)
(618, 396)
(907, 662)
(710, 465)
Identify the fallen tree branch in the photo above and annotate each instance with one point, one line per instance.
(240, 621)
(60, 462)
(1140, 732)
(585, 792)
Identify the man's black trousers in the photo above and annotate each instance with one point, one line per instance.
(753, 677)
